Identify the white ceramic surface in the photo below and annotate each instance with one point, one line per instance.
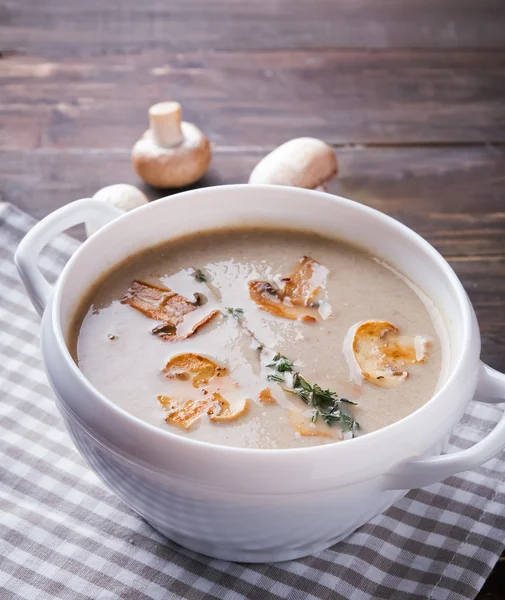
(246, 504)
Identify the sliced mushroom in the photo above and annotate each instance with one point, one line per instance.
(168, 332)
(157, 302)
(295, 299)
(303, 426)
(222, 412)
(266, 397)
(163, 304)
(271, 300)
(305, 282)
(184, 413)
(199, 368)
(382, 353)
(200, 393)
(302, 162)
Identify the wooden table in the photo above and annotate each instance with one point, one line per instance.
(410, 94)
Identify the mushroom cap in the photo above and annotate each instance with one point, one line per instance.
(302, 162)
(122, 195)
(178, 166)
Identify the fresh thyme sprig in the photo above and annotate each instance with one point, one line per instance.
(281, 363)
(325, 402)
(235, 312)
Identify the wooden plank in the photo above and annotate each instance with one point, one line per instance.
(484, 280)
(73, 27)
(258, 98)
(453, 198)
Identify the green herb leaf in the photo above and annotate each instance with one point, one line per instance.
(346, 401)
(325, 399)
(199, 276)
(235, 312)
(272, 377)
(284, 365)
(281, 363)
(346, 422)
(303, 383)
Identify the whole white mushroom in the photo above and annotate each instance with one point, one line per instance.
(303, 162)
(172, 152)
(121, 195)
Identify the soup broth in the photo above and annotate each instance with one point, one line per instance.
(260, 338)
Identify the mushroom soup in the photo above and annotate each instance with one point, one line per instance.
(260, 338)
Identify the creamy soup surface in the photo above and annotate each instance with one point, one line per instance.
(272, 332)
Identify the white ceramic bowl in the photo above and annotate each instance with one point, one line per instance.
(246, 504)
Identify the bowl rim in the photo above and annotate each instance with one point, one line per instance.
(456, 370)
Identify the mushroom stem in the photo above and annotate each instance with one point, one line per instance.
(165, 124)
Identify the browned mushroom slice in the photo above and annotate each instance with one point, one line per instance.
(163, 304)
(295, 300)
(271, 300)
(305, 282)
(266, 397)
(168, 332)
(382, 354)
(304, 427)
(195, 367)
(159, 303)
(203, 383)
(222, 411)
(184, 413)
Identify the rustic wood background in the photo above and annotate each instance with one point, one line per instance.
(410, 94)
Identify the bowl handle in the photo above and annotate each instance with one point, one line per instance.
(87, 209)
(420, 472)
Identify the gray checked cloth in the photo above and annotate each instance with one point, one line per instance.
(64, 535)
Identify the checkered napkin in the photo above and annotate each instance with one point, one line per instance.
(63, 535)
